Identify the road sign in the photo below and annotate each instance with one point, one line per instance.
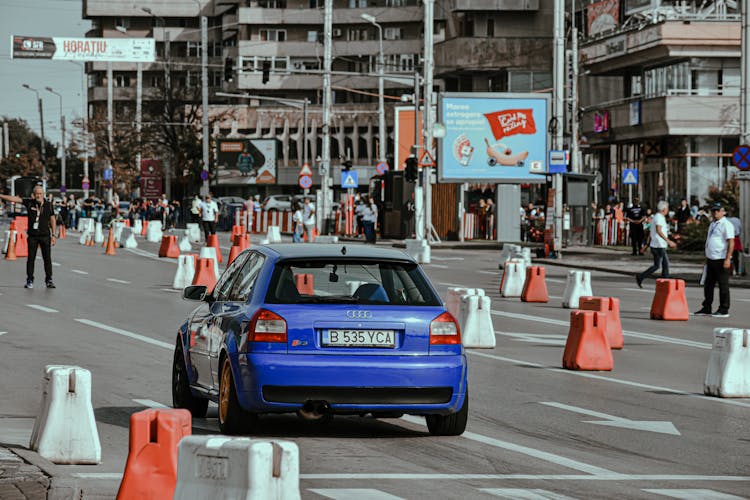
(349, 179)
(426, 160)
(630, 176)
(204, 175)
(305, 170)
(558, 161)
(108, 174)
(85, 184)
(741, 157)
(381, 168)
(305, 181)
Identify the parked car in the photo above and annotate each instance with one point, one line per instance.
(321, 330)
(281, 202)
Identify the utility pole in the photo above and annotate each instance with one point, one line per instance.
(62, 140)
(138, 115)
(429, 116)
(204, 84)
(41, 127)
(381, 99)
(575, 162)
(559, 108)
(110, 119)
(744, 208)
(86, 139)
(326, 153)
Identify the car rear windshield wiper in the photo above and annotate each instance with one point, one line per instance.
(335, 299)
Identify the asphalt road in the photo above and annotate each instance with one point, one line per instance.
(535, 431)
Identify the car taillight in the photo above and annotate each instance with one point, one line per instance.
(444, 330)
(267, 326)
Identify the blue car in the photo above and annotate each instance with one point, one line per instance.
(321, 330)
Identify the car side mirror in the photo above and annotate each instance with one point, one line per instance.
(195, 292)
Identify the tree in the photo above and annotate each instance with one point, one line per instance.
(728, 195)
(24, 151)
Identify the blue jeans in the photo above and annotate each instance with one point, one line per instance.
(660, 260)
(297, 234)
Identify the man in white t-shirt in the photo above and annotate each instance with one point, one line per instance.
(719, 248)
(659, 243)
(308, 218)
(209, 211)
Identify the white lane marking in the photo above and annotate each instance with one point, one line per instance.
(453, 477)
(623, 423)
(524, 494)
(171, 290)
(491, 273)
(639, 335)
(42, 308)
(525, 450)
(149, 255)
(535, 338)
(447, 258)
(125, 333)
(149, 403)
(358, 493)
(613, 380)
(554, 280)
(743, 300)
(56, 264)
(78, 271)
(450, 284)
(439, 266)
(3, 333)
(694, 494)
(113, 280)
(646, 290)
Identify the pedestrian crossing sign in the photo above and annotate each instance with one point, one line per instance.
(349, 179)
(630, 176)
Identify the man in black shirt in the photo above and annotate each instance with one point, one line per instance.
(634, 215)
(682, 214)
(41, 232)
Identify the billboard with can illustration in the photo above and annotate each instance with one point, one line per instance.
(246, 161)
(493, 137)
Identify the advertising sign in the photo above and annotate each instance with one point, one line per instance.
(494, 137)
(602, 16)
(246, 161)
(404, 133)
(83, 49)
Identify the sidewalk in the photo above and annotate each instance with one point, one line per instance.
(19, 479)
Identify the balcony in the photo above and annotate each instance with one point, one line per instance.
(490, 53)
(657, 43)
(256, 15)
(667, 115)
(249, 80)
(494, 5)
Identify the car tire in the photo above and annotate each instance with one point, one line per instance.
(182, 396)
(233, 419)
(449, 425)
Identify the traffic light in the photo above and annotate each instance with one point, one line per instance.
(228, 69)
(411, 170)
(346, 166)
(266, 70)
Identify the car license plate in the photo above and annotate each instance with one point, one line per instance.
(359, 338)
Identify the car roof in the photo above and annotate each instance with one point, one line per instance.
(333, 250)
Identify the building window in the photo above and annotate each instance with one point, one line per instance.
(312, 36)
(395, 3)
(273, 4)
(529, 81)
(356, 34)
(490, 27)
(122, 23)
(121, 80)
(157, 80)
(304, 64)
(273, 35)
(730, 81)
(393, 33)
(357, 4)
(316, 4)
(194, 78)
(214, 49)
(193, 49)
(399, 63)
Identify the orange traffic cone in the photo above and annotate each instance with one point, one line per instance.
(587, 347)
(163, 246)
(12, 226)
(145, 227)
(22, 244)
(151, 469)
(611, 307)
(670, 303)
(90, 241)
(204, 274)
(233, 253)
(11, 253)
(63, 233)
(535, 286)
(304, 283)
(213, 241)
(111, 243)
(235, 231)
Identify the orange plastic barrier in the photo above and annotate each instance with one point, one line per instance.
(144, 228)
(169, 247)
(111, 243)
(12, 225)
(63, 232)
(151, 469)
(304, 283)
(670, 303)
(535, 286)
(502, 281)
(235, 231)
(127, 222)
(11, 253)
(22, 244)
(587, 347)
(241, 240)
(213, 241)
(611, 307)
(204, 274)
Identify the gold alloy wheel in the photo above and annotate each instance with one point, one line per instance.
(224, 389)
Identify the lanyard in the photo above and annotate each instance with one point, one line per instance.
(39, 209)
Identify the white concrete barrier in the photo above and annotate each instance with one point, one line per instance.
(184, 243)
(274, 234)
(85, 236)
(130, 241)
(98, 234)
(210, 253)
(524, 254)
(507, 253)
(453, 299)
(194, 232)
(419, 250)
(185, 272)
(6, 241)
(65, 430)
(513, 279)
(728, 372)
(327, 238)
(154, 232)
(353, 285)
(239, 468)
(137, 226)
(476, 322)
(86, 224)
(577, 285)
(117, 229)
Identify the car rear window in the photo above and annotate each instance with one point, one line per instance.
(350, 282)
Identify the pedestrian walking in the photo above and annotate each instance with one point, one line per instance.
(635, 217)
(719, 248)
(308, 217)
(195, 209)
(369, 219)
(41, 233)
(209, 212)
(737, 253)
(659, 242)
(297, 221)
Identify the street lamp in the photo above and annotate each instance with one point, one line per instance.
(62, 140)
(204, 94)
(381, 104)
(41, 126)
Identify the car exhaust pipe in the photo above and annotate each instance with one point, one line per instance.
(314, 410)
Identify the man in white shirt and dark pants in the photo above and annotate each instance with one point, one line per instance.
(719, 248)
(659, 243)
(209, 211)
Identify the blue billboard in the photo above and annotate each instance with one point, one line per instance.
(500, 138)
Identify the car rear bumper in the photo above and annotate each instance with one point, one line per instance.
(409, 384)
